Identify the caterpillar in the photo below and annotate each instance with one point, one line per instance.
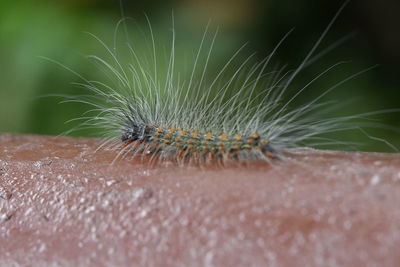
(240, 118)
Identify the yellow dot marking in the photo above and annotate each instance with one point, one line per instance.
(263, 144)
(238, 137)
(255, 135)
(250, 141)
(223, 137)
(208, 136)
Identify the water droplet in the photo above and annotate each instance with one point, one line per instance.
(143, 213)
(111, 182)
(42, 247)
(5, 217)
(137, 193)
(375, 180)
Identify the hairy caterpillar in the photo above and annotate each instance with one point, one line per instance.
(240, 118)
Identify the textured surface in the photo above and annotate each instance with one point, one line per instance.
(63, 204)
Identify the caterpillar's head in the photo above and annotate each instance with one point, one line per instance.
(129, 135)
(136, 132)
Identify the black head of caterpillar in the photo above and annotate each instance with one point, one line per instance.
(141, 133)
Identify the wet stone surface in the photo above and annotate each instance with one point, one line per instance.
(62, 203)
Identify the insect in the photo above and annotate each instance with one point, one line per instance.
(237, 117)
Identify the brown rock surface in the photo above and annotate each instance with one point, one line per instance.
(63, 204)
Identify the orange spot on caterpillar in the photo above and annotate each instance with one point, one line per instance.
(238, 137)
(262, 144)
(255, 135)
(223, 137)
(250, 141)
(183, 132)
(208, 136)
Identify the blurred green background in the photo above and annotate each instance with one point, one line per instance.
(56, 30)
